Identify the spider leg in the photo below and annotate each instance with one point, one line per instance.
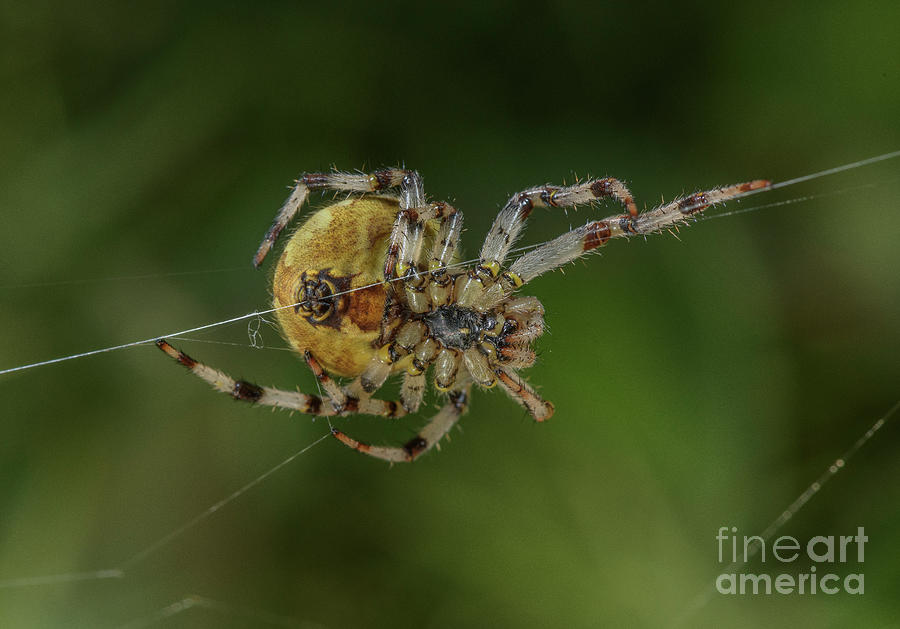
(404, 252)
(279, 398)
(525, 315)
(445, 247)
(359, 183)
(402, 242)
(588, 237)
(428, 437)
(407, 235)
(446, 243)
(336, 395)
(511, 219)
(528, 315)
(519, 390)
(404, 260)
(412, 391)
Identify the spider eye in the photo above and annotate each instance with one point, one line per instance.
(314, 299)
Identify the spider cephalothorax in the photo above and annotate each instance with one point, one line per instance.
(358, 296)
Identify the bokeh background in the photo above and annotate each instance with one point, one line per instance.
(698, 383)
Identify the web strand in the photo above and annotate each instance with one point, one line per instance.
(792, 201)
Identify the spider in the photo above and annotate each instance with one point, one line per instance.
(356, 295)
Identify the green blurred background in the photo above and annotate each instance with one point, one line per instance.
(698, 383)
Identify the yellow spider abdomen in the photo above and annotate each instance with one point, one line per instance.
(334, 265)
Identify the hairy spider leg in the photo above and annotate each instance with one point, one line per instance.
(579, 241)
(279, 398)
(404, 256)
(511, 219)
(523, 393)
(427, 437)
(408, 181)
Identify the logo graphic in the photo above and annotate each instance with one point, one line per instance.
(827, 554)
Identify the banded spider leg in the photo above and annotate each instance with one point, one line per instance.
(408, 181)
(579, 241)
(429, 436)
(340, 405)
